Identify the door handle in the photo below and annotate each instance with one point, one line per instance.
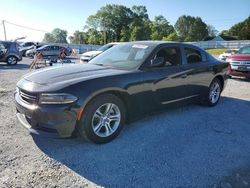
(184, 76)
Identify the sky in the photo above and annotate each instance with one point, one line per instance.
(45, 15)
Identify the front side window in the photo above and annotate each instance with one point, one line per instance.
(193, 55)
(171, 56)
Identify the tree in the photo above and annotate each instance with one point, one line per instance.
(78, 37)
(111, 20)
(56, 36)
(160, 28)
(48, 38)
(172, 37)
(241, 30)
(224, 33)
(212, 32)
(94, 36)
(140, 24)
(191, 28)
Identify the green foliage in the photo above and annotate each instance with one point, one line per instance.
(78, 38)
(119, 23)
(212, 32)
(241, 30)
(56, 36)
(172, 37)
(139, 28)
(191, 28)
(160, 28)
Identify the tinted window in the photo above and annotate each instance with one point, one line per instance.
(6, 44)
(193, 55)
(171, 56)
(244, 50)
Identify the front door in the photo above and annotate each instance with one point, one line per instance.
(168, 81)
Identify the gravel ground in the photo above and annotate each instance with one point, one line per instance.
(190, 146)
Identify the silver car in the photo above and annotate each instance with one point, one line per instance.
(54, 50)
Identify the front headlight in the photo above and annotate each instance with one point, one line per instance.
(57, 98)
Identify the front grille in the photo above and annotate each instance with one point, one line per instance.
(28, 97)
(240, 62)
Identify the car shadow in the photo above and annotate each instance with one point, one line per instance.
(18, 66)
(190, 146)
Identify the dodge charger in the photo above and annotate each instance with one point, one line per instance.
(132, 79)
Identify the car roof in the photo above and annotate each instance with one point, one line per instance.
(6, 41)
(156, 43)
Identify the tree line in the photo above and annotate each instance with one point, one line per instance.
(121, 24)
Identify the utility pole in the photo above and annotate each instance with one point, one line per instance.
(4, 30)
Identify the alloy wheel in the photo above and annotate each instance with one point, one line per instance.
(214, 93)
(106, 120)
(12, 61)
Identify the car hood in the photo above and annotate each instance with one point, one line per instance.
(91, 53)
(59, 77)
(240, 57)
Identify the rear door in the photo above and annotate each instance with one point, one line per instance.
(56, 50)
(197, 69)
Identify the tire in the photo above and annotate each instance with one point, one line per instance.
(103, 119)
(214, 92)
(11, 60)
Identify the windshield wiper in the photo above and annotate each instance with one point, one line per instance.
(99, 64)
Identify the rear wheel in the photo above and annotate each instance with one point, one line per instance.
(103, 119)
(214, 92)
(11, 60)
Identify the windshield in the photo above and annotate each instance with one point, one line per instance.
(105, 47)
(244, 50)
(123, 56)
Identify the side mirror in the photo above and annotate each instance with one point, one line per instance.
(157, 62)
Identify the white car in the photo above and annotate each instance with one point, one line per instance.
(85, 57)
(227, 53)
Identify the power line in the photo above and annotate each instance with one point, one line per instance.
(26, 27)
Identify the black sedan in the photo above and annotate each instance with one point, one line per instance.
(95, 100)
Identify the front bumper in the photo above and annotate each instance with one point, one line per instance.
(239, 70)
(48, 120)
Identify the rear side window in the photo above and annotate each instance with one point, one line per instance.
(193, 55)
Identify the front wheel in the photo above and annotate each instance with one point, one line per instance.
(214, 92)
(103, 119)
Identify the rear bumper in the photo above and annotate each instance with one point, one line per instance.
(49, 121)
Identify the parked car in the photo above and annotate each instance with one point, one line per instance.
(31, 53)
(130, 79)
(240, 63)
(85, 57)
(9, 52)
(54, 50)
(26, 46)
(227, 53)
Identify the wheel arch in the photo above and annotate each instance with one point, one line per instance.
(220, 77)
(12, 55)
(118, 92)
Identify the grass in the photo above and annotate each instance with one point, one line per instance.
(216, 51)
